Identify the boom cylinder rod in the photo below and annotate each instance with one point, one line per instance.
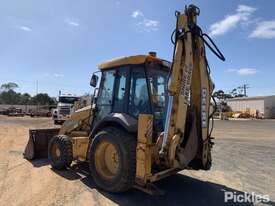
(167, 123)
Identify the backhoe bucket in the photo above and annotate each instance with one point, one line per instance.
(37, 146)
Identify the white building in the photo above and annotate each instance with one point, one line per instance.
(264, 104)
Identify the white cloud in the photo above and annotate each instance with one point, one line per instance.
(148, 25)
(252, 21)
(246, 71)
(58, 75)
(145, 24)
(71, 22)
(243, 71)
(25, 28)
(245, 8)
(243, 13)
(264, 30)
(53, 75)
(137, 14)
(224, 26)
(231, 70)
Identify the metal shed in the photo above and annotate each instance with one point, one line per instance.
(264, 104)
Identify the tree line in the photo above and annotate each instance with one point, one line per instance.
(8, 95)
(222, 98)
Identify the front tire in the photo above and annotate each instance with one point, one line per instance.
(60, 152)
(112, 160)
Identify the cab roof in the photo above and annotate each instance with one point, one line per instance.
(130, 60)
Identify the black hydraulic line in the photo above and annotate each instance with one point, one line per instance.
(211, 116)
(216, 51)
(195, 30)
(172, 36)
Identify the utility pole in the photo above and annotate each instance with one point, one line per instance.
(36, 97)
(244, 89)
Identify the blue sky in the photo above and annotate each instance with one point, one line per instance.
(60, 43)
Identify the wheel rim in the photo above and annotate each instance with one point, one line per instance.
(106, 160)
(56, 153)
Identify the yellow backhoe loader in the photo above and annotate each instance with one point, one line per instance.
(149, 118)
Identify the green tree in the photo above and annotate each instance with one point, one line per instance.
(42, 99)
(9, 97)
(25, 99)
(9, 86)
(221, 96)
(237, 92)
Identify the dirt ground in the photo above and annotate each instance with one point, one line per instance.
(243, 161)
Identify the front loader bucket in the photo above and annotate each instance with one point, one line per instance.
(37, 146)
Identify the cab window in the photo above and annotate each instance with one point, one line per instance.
(157, 84)
(106, 92)
(105, 96)
(138, 99)
(120, 90)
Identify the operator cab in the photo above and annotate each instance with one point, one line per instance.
(133, 85)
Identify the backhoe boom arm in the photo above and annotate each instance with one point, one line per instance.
(190, 88)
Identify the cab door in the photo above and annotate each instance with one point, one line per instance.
(113, 95)
(121, 90)
(104, 100)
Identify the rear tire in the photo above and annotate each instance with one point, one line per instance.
(60, 152)
(112, 160)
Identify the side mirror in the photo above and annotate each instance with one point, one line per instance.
(94, 80)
